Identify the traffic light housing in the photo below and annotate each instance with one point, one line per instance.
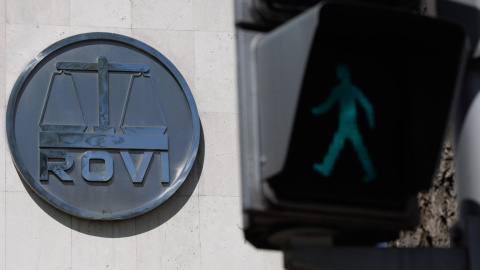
(343, 111)
(271, 13)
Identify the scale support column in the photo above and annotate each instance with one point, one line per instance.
(103, 119)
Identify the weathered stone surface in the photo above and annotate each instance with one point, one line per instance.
(438, 208)
(108, 13)
(200, 227)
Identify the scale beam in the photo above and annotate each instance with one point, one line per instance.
(78, 66)
(103, 67)
(53, 139)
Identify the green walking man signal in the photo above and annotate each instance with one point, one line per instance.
(346, 94)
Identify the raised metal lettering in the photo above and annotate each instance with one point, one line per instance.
(99, 177)
(136, 175)
(58, 168)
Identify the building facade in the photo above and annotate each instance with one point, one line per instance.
(200, 226)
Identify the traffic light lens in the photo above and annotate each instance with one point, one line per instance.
(372, 110)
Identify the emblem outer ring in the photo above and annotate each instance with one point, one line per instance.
(34, 184)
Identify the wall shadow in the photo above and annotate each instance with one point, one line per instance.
(136, 225)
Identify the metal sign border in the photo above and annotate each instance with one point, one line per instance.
(34, 184)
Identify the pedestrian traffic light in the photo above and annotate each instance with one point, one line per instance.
(343, 113)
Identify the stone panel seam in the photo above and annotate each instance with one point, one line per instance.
(198, 193)
(35, 24)
(222, 196)
(39, 24)
(159, 29)
(131, 27)
(5, 140)
(70, 16)
(182, 195)
(212, 31)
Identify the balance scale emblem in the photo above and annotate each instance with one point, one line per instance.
(87, 127)
(55, 137)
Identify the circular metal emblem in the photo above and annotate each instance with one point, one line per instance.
(102, 126)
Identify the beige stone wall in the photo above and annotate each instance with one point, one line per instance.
(200, 226)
